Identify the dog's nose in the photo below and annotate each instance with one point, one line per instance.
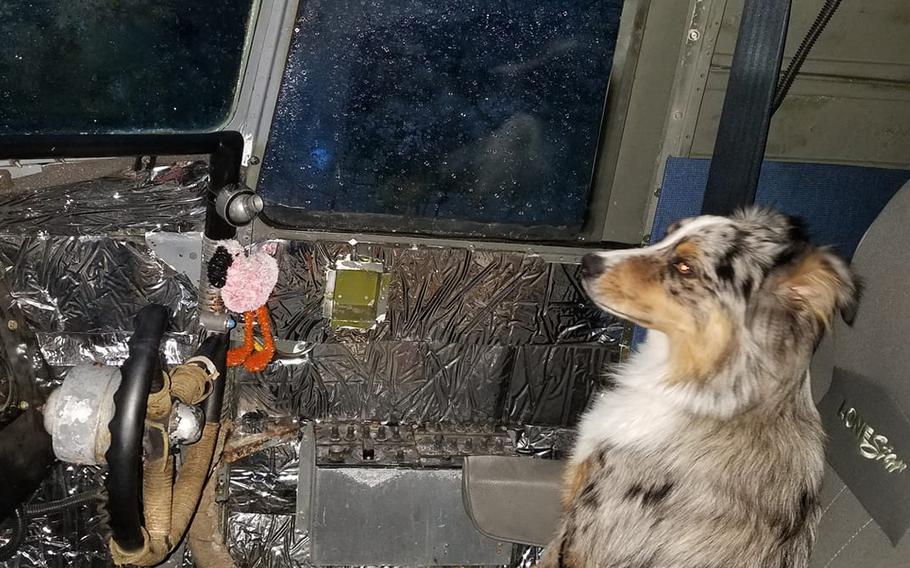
(591, 265)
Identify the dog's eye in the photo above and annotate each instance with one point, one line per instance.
(683, 268)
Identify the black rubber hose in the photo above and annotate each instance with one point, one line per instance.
(802, 52)
(215, 348)
(224, 169)
(124, 480)
(11, 547)
(35, 509)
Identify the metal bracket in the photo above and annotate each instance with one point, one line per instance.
(306, 486)
(180, 251)
(688, 91)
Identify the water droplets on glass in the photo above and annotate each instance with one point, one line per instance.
(119, 66)
(443, 117)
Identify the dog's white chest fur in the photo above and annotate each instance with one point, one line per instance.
(627, 418)
(639, 412)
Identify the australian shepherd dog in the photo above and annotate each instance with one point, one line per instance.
(708, 450)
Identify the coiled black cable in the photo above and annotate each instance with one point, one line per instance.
(15, 540)
(36, 509)
(802, 52)
(21, 516)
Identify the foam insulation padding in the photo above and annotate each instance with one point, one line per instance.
(469, 337)
(445, 296)
(77, 267)
(168, 198)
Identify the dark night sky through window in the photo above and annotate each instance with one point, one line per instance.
(464, 110)
(96, 66)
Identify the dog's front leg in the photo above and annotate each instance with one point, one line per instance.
(559, 554)
(573, 481)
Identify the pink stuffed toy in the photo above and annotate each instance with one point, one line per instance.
(246, 287)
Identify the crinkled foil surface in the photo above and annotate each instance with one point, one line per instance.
(470, 337)
(75, 261)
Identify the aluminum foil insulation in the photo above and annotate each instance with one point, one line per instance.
(469, 337)
(64, 349)
(445, 296)
(74, 537)
(90, 284)
(75, 261)
(264, 541)
(167, 198)
(265, 482)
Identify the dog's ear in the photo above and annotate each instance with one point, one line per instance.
(818, 285)
(673, 227)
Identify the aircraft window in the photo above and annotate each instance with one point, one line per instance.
(463, 117)
(120, 65)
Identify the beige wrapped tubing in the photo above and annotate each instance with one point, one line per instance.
(159, 403)
(205, 539)
(157, 498)
(190, 383)
(170, 505)
(191, 480)
(157, 481)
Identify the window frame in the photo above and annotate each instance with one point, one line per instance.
(645, 108)
(271, 43)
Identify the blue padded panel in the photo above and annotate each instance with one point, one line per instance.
(838, 203)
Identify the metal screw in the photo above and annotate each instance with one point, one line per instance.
(694, 35)
(380, 433)
(336, 454)
(12, 325)
(23, 405)
(350, 433)
(677, 115)
(336, 435)
(254, 160)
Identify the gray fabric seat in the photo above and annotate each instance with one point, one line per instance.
(847, 535)
(876, 346)
(503, 494)
(516, 500)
